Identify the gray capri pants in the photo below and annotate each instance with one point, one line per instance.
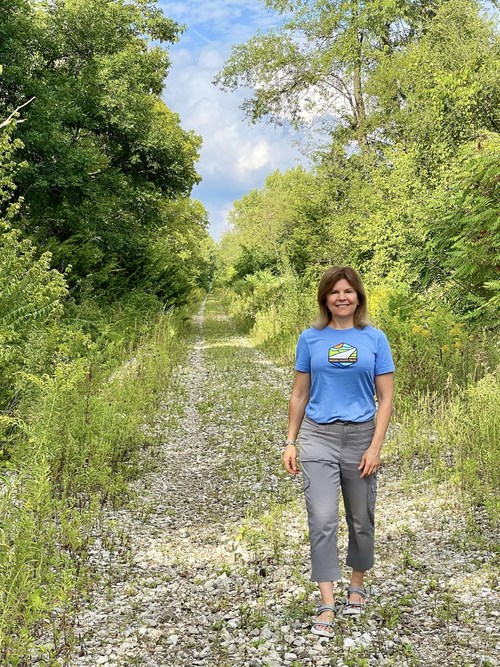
(330, 455)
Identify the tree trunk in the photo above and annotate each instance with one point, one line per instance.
(360, 110)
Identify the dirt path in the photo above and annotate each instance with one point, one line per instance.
(209, 564)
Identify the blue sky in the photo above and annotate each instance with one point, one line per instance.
(235, 157)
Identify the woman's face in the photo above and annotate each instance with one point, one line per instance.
(342, 300)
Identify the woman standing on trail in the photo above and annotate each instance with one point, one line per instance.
(341, 363)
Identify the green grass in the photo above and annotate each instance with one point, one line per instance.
(76, 436)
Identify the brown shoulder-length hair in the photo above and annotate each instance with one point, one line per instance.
(328, 280)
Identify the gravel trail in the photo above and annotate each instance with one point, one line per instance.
(209, 563)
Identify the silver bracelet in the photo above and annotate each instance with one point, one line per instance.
(290, 442)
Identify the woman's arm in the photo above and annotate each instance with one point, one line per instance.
(384, 387)
(296, 411)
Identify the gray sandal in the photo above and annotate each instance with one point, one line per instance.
(328, 631)
(354, 609)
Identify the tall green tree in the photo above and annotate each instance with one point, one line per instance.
(103, 150)
(317, 63)
(180, 254)
(283, 223)
(443, 89)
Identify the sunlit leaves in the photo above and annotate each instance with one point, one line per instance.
(30, 291)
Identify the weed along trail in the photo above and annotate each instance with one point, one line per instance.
(208, 563)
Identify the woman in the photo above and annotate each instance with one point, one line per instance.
(341, 363)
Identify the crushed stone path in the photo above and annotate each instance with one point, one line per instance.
(208, 565)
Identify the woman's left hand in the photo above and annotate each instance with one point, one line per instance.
(370, 462)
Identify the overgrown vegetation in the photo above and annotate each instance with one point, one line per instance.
(73, 442)
(81, 381)
(405, 187)
(102, 256)
(108, 170)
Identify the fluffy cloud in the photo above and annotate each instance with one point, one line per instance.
(254, 157)
(220, 15)
(235, 157)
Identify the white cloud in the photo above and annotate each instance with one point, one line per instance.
(254, 157)
(219, 14)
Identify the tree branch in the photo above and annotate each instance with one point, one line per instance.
(11, 117)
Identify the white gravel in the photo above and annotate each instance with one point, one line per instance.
(209, 567)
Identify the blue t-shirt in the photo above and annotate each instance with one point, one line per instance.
(343, 364)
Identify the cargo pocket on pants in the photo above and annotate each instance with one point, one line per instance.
(372, 492)
(306, 482)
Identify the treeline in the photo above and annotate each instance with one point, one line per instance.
(405, 186)
(100, 247)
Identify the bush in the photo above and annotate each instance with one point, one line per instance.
(433, 349)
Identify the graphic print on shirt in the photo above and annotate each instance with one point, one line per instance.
(343, 355)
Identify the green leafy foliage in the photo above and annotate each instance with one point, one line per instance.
(443, 89)
(31, 293)
(284, 223)
(422, 207)
(465, 234)
(103, 151)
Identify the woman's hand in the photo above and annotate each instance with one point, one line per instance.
(384, 386)
(296, 410)
(370, 461)
(290, 459)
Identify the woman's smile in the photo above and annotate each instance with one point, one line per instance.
(342, 300)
